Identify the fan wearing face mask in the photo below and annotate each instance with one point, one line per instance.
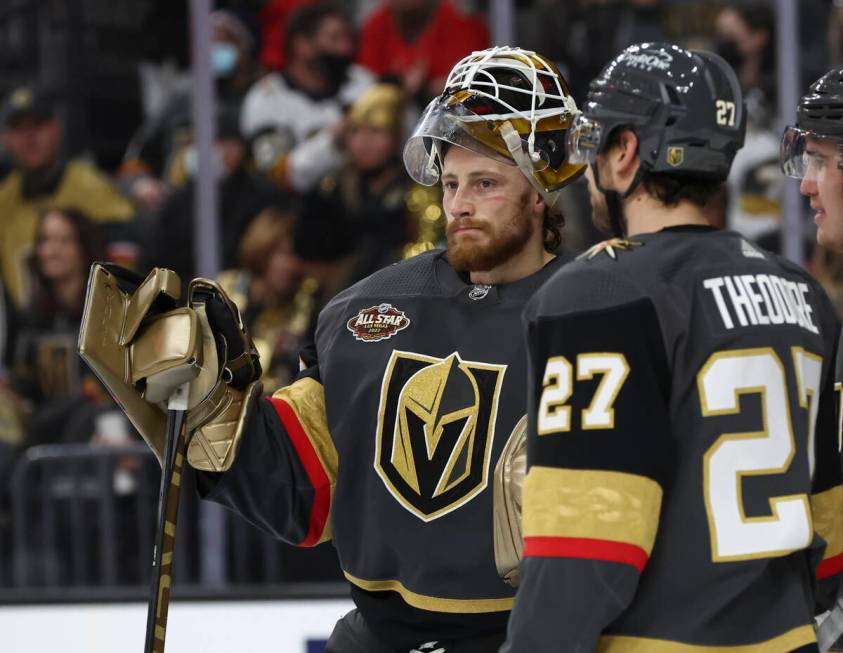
(148, 168)
(293, 118)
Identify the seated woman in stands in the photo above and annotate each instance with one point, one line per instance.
(64, 400)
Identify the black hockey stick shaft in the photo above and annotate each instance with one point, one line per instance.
(165, 537)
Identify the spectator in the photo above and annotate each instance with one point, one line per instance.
(234, 54)
(149, 158)
(293, 118)
(273, 18)
(65, 399)
(744, 35)
(274, 298)
(419, 41)
(242, 195)
(370, 210)
(745, 38)
(42, 177)
(581, 33)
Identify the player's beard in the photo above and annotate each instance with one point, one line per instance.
(502, 243)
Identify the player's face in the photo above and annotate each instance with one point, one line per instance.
(823, 185)
(491, 210)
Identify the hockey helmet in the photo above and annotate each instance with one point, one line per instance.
(819, 116)
(685, 107)
(509, 104)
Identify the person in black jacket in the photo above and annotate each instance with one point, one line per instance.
(242, 196)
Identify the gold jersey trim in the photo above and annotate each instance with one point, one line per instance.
(433, 603)
(790, 640)
(591, 504)
(827, 509)
(306, 398)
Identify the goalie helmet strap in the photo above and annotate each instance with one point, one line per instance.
(525, 165)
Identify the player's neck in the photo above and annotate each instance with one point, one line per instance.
(528, 261)
(645, 214)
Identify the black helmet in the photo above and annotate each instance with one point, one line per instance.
(819, 115)
(821, 110)
(685, 107)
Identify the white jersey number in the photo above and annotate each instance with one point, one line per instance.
(722, 381)
(558, 382)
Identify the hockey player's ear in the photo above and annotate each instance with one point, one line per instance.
(623, 160)
(539, 205)
(626, 152)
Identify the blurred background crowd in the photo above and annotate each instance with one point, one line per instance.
(314, 100)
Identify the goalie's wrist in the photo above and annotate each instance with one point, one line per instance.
(215, 441)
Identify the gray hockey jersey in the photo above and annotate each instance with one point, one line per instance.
(683, 492)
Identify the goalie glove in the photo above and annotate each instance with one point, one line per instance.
(143, 347)
(224, 392)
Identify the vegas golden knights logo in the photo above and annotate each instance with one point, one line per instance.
(435, 430)
(676, 156)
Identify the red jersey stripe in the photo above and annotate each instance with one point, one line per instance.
(582, 547)
(830, 567)
(318, 478)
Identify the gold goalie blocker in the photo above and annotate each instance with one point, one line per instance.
(142, 345)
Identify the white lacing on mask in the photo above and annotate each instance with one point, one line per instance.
(472, 73)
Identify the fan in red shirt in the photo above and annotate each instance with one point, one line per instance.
(419, 41)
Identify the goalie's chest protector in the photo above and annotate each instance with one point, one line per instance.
(424, 377)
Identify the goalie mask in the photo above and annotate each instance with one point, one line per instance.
(505, 103)
(820, 123)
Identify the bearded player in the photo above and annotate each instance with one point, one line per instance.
(410, 402)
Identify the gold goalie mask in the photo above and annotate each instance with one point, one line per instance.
(508, 104)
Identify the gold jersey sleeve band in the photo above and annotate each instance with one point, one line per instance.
(591, 504)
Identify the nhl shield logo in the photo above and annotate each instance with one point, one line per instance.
(435, 428)
(675, 156)
(377, 323)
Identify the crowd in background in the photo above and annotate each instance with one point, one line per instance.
(313, 104)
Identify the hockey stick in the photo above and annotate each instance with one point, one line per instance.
(168, 510)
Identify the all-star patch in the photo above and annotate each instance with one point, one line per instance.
(611, 247)
(377, 323)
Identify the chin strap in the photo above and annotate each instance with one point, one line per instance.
(614, 199)
(512, 139)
